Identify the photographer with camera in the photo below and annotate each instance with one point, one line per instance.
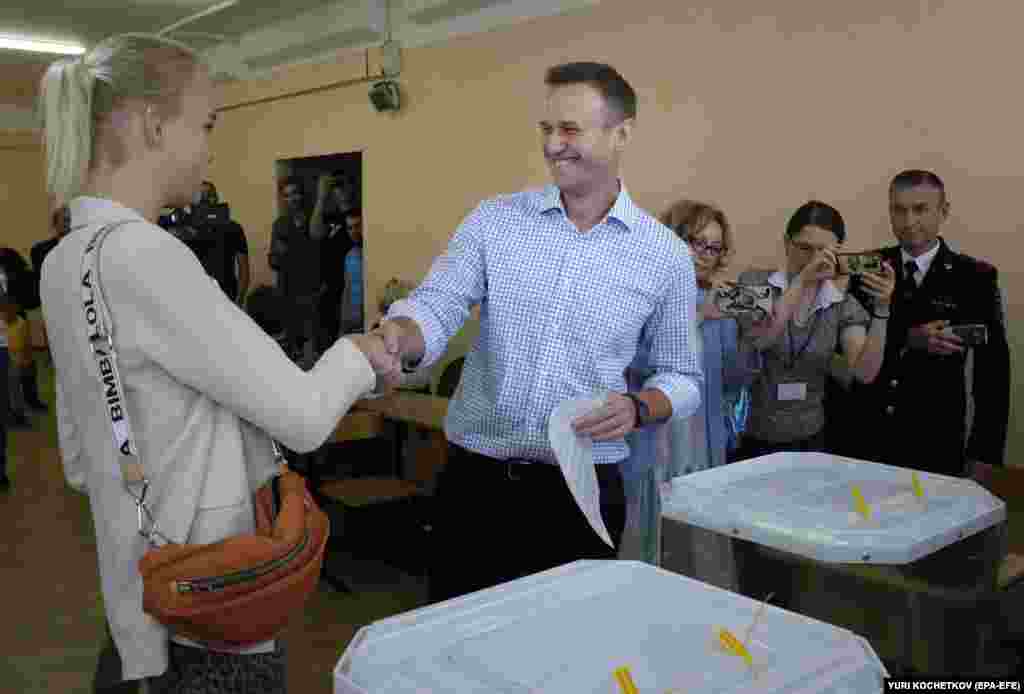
(916, 410)
(223, 248)
(811, 319)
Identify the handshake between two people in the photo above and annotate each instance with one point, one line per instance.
(382, 348)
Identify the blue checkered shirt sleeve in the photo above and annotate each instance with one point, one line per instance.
(671, 331)
(455, 283)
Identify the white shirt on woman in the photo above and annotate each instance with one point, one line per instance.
(205, 389)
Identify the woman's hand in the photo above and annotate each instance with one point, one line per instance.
(880, 286)
(821, 267)
(386, 365)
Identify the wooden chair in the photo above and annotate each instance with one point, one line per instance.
(409, 497)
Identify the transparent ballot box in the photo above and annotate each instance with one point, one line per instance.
(908, 559)
(567, 631)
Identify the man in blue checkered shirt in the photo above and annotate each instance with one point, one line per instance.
(570, 281)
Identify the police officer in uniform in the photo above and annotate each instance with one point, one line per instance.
(915, 413)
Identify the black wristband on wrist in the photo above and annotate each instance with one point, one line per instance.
(639, 408)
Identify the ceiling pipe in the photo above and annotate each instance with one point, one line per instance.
(203, 35)
(213, 9)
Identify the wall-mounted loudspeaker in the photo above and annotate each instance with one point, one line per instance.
(385, 96)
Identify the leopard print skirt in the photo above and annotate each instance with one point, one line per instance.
(198, 671)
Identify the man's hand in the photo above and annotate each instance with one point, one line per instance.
(929, 337)
(880, 286)
(324, 186)
(391, 334)
(608, 423)
(386, 365)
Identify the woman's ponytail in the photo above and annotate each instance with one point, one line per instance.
(66, 101)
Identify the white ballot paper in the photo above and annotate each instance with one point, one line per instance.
(575, 456)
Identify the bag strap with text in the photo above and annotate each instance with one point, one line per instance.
(99, 331)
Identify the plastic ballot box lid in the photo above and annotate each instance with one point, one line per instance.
(833, 509)
(567, 630)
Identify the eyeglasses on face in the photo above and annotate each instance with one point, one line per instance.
(712, 249)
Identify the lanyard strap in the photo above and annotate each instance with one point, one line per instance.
(101, 343)
(794, 354)
(99, 331)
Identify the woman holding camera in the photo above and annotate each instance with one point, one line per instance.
(811, 319)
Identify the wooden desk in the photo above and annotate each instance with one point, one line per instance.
(358, 425)
(404, 410)
(427, 411)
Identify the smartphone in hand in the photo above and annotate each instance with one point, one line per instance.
(972, 334)
(858, 263)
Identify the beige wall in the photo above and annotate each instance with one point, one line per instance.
(24, 205)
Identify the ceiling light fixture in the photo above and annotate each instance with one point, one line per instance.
(33, 46)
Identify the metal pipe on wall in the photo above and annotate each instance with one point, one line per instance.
(213, 9)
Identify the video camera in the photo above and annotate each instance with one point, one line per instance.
(201, 218)
(210, 215)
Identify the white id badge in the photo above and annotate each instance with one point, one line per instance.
(792, 391)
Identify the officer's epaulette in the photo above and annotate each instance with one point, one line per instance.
(974, 264)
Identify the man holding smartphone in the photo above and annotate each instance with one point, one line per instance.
(916, 410)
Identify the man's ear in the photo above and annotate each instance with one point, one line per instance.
(944, 209)
(153, 127)
(624, 133)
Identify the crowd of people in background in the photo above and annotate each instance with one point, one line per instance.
(317, 260)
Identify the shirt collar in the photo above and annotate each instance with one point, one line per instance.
(624, 211)
(924, 262)
(828, 293)
(86, 210)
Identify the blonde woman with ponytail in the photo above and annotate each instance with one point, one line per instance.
(127, 130)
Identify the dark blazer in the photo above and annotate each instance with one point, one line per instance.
(916, 408)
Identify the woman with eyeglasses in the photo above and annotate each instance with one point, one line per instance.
(657, 454)
(812, 319)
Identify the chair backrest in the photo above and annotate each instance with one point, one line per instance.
(450, 377)
(428, 458)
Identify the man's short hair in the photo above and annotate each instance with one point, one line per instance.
(911, 178)
(619, 97)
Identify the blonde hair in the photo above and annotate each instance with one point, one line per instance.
(687, 218)
(78, 95)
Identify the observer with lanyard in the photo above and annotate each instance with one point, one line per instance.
(812, 316)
